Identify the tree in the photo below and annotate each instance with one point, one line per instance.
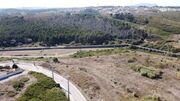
(15, 66)
(55, 60)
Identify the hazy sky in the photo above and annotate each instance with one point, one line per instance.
(81, 3)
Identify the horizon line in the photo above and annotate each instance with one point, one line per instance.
(80, 7)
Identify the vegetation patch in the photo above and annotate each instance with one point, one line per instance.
(163, 45)
(44, 90)
(151, 98)
(11, 93)
(55, 60)
(162, 65)
(81, 54)
(18, 85)
(132, 60)
(149, 72)
(4, 59)
(146, 98)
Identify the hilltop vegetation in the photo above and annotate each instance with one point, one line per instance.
(161, 23)
(85, 26)
(52, 29)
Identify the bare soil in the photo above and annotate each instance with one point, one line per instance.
(7, 87)
(110, 78)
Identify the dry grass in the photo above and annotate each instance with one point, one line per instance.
(107, 78)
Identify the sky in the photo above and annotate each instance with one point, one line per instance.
(81, 3)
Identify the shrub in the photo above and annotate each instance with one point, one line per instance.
(44, 90)
(132, 60)
(7, 67)
(11, 93)
(15, 66)
(148, 61)
(55, 60)
(146, 98)
(25, 79)
(161, 65)
(18, 85)
(54, 94)
(149, 72)
(151, 98)
(176, 50)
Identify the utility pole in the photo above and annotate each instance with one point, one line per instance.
(51, 68)
(13, 61)
(52, 74)
(68, 90)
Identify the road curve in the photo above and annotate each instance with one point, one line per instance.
(75, 94)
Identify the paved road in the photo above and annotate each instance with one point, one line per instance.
(13, 77)
(63, 47)
(93, 46)
(75, 94)
(37, 56)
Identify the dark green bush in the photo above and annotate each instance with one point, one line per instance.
(55, 60)
(18, 85)
(15, 66)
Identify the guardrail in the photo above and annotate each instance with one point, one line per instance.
(9, 74)
(155, 50)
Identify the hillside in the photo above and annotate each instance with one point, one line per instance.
(90, 25)
(51, 29)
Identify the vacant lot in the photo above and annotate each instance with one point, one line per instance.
(111, 77)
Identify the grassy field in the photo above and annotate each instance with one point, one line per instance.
(81, 54)
(44, 90)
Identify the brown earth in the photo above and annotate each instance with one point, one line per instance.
(7, 87)
(110, 78)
